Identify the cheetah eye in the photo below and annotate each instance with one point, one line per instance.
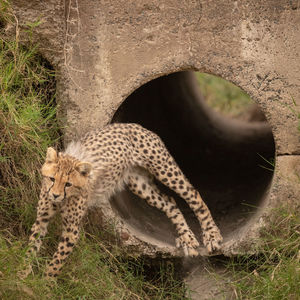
(68, 184)
(52, 179)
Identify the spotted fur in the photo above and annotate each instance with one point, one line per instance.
(99, 165)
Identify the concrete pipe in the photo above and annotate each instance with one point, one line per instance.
(225, 159)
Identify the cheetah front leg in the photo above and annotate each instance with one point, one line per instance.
(45, 211)
(72, 213)
(142, 186)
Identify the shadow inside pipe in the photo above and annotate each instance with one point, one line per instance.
(225, 159)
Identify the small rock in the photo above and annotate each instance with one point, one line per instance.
(124, 236)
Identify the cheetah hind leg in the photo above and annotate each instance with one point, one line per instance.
(143, 186)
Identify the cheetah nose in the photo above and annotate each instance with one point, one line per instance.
(55, 196)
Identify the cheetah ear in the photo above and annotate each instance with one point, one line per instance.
(84, 168)
(51, 155)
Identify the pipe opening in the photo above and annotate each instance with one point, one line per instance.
(226, 159)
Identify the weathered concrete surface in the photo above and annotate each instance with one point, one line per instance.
(106, 50)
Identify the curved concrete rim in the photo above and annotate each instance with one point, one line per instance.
(173, 107)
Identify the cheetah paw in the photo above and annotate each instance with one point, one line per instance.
(212, 240)
(187, 241)
(22, 274)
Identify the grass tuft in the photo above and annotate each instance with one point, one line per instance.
(274, 273)
(93, 271)
(27, 127)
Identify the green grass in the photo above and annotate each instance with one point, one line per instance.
(27, 127)
(222, 95)
(274, 273)
(93, 272)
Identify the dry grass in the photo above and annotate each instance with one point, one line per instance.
(27, 128)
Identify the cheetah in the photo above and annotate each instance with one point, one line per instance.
(102, 163)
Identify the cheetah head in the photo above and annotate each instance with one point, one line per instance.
(64, 176)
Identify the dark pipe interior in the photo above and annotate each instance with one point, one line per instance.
(222, 157)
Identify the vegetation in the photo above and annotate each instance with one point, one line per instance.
(223, 96)
(27, 127)
(92, 272)
(274, 273)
